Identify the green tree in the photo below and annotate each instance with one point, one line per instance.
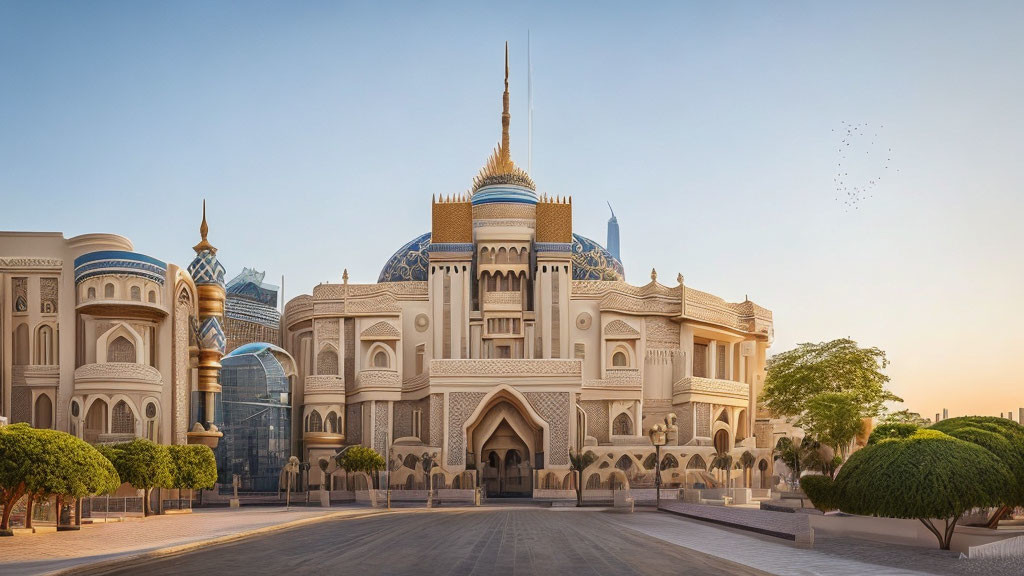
(1000, 436)
(19, 449)
(892, 430)
(41, 463)
(747, 461)
(578, 463)
(142, 464)
(193, 467)
(834, 419)
(927, 476)
(360, 458)
(840, 366)
(905, 417)
(788, 452)
(818, 457)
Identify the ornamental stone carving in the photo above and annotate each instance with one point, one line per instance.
(380, 427)
(378, 379)
(661, 333)
(460, 406)
(381, 331)
(324, 384)
(327, 329)
(115, 371)
(710, 386)
(505, 367)
(619, 329)
(553, 407)
(28, 262)
(584, 320)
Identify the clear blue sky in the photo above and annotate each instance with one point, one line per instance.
(319, 131)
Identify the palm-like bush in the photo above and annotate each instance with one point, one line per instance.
(747, 461)
(579, 462)
(723, 461)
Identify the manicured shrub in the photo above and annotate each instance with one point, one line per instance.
(193, 467)
(1002, 437)
(142, 464)
(927, 476)
(891, 430)
(821, 491)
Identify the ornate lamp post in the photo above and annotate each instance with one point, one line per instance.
(290, 469)
(659, 437)
(428, 465)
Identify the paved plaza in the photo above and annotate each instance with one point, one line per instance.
(488, 540)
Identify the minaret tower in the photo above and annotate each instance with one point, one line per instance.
(208, 275)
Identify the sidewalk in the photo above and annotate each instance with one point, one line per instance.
(47, 553)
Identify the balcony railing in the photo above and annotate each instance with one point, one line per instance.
(107, 373)
(324, 384)
(378, 380)
(711, 386)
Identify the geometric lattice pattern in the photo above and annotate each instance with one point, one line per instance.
(460, 406)
(553, 407)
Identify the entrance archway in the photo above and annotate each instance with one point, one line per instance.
(507, 438)
(507, 470)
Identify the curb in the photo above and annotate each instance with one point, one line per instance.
(104, 566)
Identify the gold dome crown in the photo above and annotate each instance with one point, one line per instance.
(499, 168)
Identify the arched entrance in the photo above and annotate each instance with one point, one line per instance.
(507, 470)
(507, 439)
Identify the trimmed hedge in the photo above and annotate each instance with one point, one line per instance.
(892, 430)
(821, 490)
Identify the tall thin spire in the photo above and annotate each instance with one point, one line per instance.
(505, 116)
(204, 244)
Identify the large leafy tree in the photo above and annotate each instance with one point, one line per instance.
(834, 419)
(1002, 437)
(142, 464)
(929, 476)
(41, 463)
(839, 366)
(579, 462)
(193, 467)
(905, 416)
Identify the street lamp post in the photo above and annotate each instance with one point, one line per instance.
(387, 474)
(659, 437)
(428, 465)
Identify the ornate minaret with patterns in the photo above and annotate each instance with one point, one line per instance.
(208, 275)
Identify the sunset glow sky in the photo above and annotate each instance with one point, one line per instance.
(318, 133)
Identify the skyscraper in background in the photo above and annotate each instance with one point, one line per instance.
(613, 234)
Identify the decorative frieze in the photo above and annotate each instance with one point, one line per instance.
(506, 367)
(27, 262)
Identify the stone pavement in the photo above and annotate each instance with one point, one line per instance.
(829, 556)
(485, 541)
(45, 553)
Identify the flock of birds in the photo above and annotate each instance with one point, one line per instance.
(861, 163)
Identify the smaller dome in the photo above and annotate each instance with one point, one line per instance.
(409, 263)
(254, 348)
(591, 261)
(504, 194)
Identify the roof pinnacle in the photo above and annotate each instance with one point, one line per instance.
(204, 244)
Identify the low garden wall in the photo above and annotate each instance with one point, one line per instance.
(795, 527)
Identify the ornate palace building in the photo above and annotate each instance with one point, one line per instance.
(500, 340)
(109, 344)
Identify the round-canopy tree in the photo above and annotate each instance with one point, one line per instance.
(193, 467)
(359, 458)
(1002, 437)
(19, 449)
(927, 476)
(892, 430)
(142, 464)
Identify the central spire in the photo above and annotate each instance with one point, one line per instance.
(499, 168)
(506, 118)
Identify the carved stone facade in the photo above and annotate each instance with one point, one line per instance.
(460, 406)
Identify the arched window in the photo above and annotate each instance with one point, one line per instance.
(90, 293)
(152, 297)
(721, 441)
(669, 461)
(136, 293)
(696, 463)
(624, 463)
(21, 344)
(151, 422)
(45, 346)
(502, 256)
(619, 359)
(43, 412)
(380, 359)
(122, 420)
(121, 350)
(108, 291)
(485, 256)
(314, 423)
(492, 283)
(95, 421)
(622, 425)
(332, 423)
(327, 362)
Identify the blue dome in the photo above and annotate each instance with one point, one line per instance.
(410, 262)
(591, 261)
(504, 194)
(254, 348)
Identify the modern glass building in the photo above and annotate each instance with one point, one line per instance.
(255, 416)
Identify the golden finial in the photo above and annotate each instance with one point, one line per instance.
(654, 275)
(344, 275)
(204, 244)
(499, 168)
